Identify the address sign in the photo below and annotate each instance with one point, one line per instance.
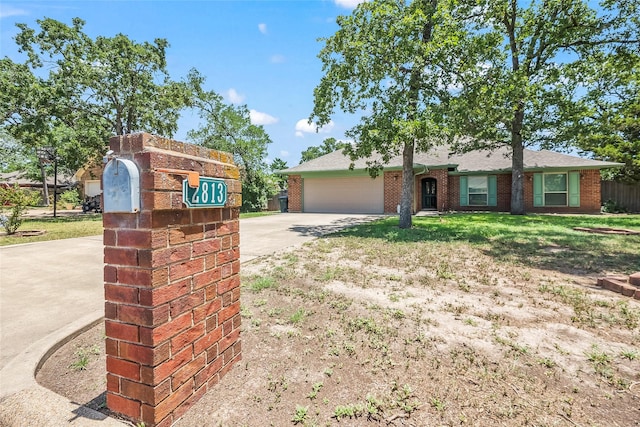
(211, 192)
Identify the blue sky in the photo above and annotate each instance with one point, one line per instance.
(262, 53)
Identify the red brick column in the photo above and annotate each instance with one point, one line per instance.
(172, 284)
(295, 193)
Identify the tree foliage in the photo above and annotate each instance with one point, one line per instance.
(277, 165)
(519, 88)
(329, 145)
(383, 63)
(229, 128)
(94, 88)
(610, 125)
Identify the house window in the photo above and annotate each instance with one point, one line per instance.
(555, 189)
(478, 190)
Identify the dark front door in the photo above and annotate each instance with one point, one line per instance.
(429, 196)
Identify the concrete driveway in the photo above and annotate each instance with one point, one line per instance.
(51, 290)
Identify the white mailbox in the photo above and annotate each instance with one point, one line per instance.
(121, 186)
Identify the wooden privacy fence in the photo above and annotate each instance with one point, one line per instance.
(625, 195)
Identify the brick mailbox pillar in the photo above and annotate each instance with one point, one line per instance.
(172, 286)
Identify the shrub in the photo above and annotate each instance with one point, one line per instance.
(611, 206)
(13, 204)
(70, 197)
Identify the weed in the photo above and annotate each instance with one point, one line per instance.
(629, 354)
(340, 304)
(245, 312)
(397, 314)
(438, 404)
(314, 390)
(301, 414)
(298, 316)
(464, 286)
(349, 349)
(273, 312)
(469, 321)
(347, 411)
(83, 357)
(601, 362)
(546, 362)
(261, 283)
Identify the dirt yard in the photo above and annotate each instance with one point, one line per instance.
(356, 331)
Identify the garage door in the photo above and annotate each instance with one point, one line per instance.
(92, 188)
(344, 195)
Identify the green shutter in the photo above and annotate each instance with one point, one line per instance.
(464, 191)
(574, 189)
(492, 182)
(538, 195)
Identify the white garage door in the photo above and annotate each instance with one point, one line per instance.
(344, 195)
(92, 188)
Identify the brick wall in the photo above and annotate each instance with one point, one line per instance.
(295, 193)
(172, 285)
(589, 195)
(392, 191)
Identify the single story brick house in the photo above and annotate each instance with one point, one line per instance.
(479, 180)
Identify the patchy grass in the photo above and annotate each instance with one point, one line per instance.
(257, 214)
(471, 323)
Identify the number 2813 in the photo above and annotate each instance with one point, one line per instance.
(209, 192)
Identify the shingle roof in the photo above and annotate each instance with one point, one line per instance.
(475, 161)
(20, 178)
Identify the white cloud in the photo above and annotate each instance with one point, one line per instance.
(234, 97)
(284, 153)
(277, 59)
(303, 126)
(258, 118)
(348, 4)
(263, 28)
(7, 11)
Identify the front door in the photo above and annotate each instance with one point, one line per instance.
(429, 196)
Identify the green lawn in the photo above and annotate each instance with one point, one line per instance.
(63, 227)
(545, 241)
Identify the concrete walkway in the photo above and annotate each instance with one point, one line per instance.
(52, 291)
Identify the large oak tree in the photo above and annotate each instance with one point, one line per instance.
(73, 91)
(384, 63)
(521, 89)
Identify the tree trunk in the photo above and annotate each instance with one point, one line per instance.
(406, 200)
(517, 164)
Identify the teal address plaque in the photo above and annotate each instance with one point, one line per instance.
(211, 192)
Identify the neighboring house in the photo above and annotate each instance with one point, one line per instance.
(18, 177)
(479, 180)
(88, 178)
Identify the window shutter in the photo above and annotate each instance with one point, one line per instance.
(574, 189)
(464, 191)
(538, 195)
(492, 182)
